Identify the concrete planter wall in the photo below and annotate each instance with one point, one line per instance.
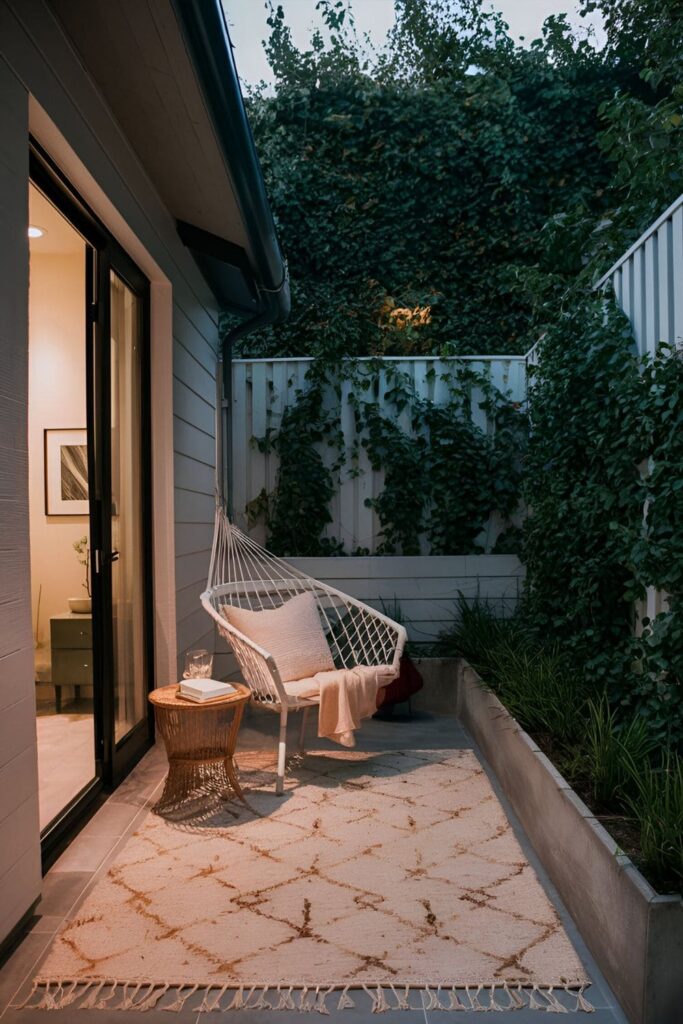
(635, 935)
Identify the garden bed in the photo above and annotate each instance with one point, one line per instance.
(635, 934)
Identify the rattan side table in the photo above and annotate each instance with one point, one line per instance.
(200, 742)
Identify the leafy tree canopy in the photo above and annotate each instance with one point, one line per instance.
(432, 195)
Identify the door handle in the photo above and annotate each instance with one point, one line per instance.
(103, 558)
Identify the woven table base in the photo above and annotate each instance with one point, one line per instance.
(200, 742)
(193, 786)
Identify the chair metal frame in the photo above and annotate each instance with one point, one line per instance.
(357, 634)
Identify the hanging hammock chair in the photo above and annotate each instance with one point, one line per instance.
(242, 574)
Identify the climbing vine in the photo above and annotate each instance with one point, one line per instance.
(443, 475)
(407, 188)
(606, 442)
(298, 510)
(487, 225)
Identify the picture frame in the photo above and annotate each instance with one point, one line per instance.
(66, 472)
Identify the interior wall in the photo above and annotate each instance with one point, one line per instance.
(56, 400)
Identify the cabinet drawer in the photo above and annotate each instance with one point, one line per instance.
(72, 667)
(69, 633)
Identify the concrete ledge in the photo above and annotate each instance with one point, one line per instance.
(439, 694)
(635, 935)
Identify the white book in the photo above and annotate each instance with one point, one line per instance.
(205, 689)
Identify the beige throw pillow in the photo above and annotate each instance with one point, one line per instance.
(293, 634)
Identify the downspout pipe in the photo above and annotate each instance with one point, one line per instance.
(224, 488)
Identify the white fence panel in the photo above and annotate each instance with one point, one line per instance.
(263, 388)
(648, 285)
(423, 591)
(648, 282)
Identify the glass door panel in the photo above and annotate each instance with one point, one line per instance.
(129, 559)
(59, 519)
(90, 502)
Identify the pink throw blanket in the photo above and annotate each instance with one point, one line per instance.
(346, 697)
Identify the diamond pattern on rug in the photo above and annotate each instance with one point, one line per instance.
(372, 869)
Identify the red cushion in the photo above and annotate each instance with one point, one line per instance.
(408, 682)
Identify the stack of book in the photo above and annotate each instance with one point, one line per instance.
(201, 690)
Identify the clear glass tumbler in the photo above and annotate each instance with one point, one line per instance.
(198, 665)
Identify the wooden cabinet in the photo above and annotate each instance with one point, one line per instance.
(71, 643)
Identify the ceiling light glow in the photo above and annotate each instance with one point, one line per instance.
(35, 232)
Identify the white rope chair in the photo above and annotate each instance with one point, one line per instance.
(243, 574)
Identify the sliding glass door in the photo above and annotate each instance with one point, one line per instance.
(95, 513)
(129, 676)
(121, 507)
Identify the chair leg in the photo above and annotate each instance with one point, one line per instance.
(281, 753)
(302, 731)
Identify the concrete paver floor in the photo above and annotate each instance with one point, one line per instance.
(93, 849)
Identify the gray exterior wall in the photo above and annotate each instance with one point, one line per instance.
(194, 395)
(19, 853)
(44, 88)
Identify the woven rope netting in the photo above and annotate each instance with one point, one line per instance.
(244, 574)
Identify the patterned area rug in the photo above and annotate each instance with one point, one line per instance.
(394, 872)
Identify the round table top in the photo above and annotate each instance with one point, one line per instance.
(167, 697)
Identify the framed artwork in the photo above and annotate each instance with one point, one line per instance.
(66, 472)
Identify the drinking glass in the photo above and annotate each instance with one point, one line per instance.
(198, 665)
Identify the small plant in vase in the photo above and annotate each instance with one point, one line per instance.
(82, 605)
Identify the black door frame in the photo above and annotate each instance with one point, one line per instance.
(104, 255)
(120, 757)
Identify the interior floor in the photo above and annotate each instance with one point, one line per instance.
(66, 757)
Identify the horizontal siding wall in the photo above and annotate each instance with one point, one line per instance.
(422, 591)
(648, 282)
(194, 455)
(19, 830)
(263, 388)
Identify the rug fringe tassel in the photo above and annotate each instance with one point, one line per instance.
(433, 1001)
(555, 1005)
(321, 1005)
(108, 994)
(155, 994)
(103, 1002)
(377, 998)
(92, 994)
(534, 1003)
(454, 1002)
(208, 1004)
(476, 1005)
(345, 1000)
(515, 995)
(581, 1001)
(129, 1000)
(238, 1000)
(180, 1000)
(305, 1004)
(286, 1002)
(493, 1005)
(401, 1000)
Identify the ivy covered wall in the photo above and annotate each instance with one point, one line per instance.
(437, 448)
(458, 193)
